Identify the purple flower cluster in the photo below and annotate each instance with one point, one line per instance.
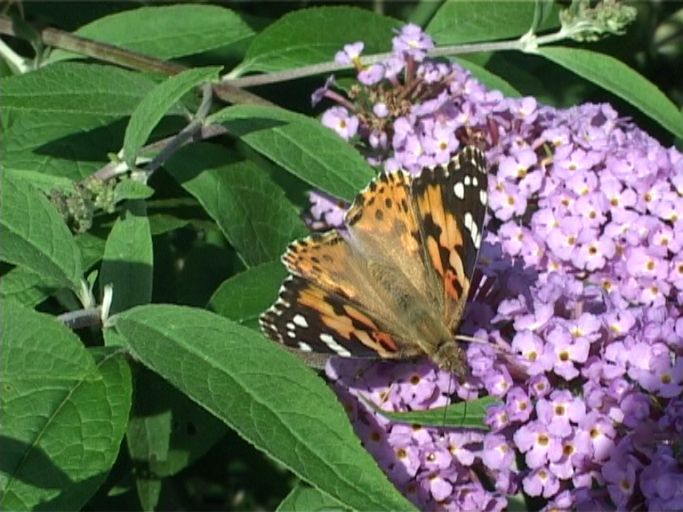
(583, 278)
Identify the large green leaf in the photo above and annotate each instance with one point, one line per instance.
(314, 35)
(301, 145)
(167, 32)
(63, 413)
(157, 103)
(245, 296)
(34, 236)
(128, 259)
(24, 287)
(75, 88)
(270, 398)
(620, 80)
(251, 210)
(465, 21)
(63, 120)
(458, 21)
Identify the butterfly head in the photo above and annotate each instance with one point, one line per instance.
(450, 357)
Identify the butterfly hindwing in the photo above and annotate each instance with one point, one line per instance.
(308, 318)
(383, 224)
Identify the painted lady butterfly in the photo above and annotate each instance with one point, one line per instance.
(394, 284)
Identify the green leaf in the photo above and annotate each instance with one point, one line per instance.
(308, 499)
(301, 145)
(310, 36)
(34, 236)
(63, 120)
(92, 249)
(132, 189)
(252, 212)
(157, 103)
(63, 412)
(469, 414)
(128, 259)
(458, 22)
(245, 296)
(167, 432)
(24, 287)
(75, 88)
(167, 32)
(620, 80)
(268, 397)
(490, 80)
(29, 289)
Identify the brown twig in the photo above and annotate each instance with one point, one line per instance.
(126, 58)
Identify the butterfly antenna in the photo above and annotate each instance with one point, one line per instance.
(472, 339)
(445, 409)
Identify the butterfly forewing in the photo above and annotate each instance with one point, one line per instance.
(451, 203)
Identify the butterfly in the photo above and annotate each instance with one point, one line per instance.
(394, 283)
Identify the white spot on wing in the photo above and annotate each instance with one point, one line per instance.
(305, 347)
(475, 181)
(468, 180)
(473, 229)
(290, 326)
(300, 320)
(483, 197)
(334, 346)
(459, 190)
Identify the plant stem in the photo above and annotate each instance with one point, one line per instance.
(184, 136)
(329, 67)
(20, 64)
(126, 58)
(81, 318)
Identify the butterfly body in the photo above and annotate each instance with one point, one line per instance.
(394, 284)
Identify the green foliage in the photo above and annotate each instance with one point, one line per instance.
(462, 414)
(308, 499)
(34, 236)
(458, 22)
(207, 229)
(270, 398)
(156, 105)
(620, 80)
(64, 412)
(178, 30)
(320, 33)
(301, 146)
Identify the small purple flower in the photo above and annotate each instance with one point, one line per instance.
(372, 74)
(567, 352)
(497, 453)
(620, 475)
(457, 445)
(321, 92)
(518, 404)
(326, 210)
(541, 482)
(350, 54)
(539, 445)
(559, 410)
(600, 432)
(339, 119)
(412, 41)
